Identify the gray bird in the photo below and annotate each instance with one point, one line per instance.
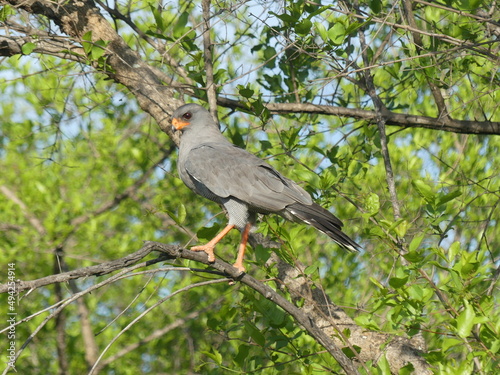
(245, 185)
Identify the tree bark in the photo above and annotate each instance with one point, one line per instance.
(155, 91)
(324, 321)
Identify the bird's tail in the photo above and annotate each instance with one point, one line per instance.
(324, 221)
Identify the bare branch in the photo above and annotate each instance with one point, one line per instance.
(54, 46)
(125, 65)
(392, 118)
(97, 270)
(209, 63)
(34, 221)
(321, 332)
(381, 120)
(147, 82)
(170, 252)
(334, 321)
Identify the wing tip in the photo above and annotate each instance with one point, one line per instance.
(350, 248)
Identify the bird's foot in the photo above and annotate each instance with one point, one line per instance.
(239, 266)
(209, 250)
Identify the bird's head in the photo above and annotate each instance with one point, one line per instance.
(190, 116)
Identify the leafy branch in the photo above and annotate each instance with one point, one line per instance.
(324, 322)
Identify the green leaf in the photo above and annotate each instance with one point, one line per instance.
(453, 250)
(321, 29)
(424, 190)
(372, 204)
(375, 6)
(246, 92)
(275, 317)
(5, 12)
(180, 28)
(448, 197)
(207, 233)
(86, 42)
(255, 333)
(336, 34)
(265, 145)
(27, 48)
(398, 282)
(415, 242)
(311, 269)
(181, 214)
(383, 365)
(414, 257)
(465, 320)
(98, 49)
(407, 370)
(262, 254)
(241, 357)
(303, 27)
(214, 355)
(328, 178)
(416, 292)
(302, 174)
(157, 16)
(287, 18)
(449, 342)
(367, 322)
(269, 53)
(401, 228)
(349, 352)
(377, 283)
(354, 168)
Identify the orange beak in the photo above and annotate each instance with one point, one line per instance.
(178, 124)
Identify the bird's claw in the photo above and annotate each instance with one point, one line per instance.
(239, 266)
(209, 250)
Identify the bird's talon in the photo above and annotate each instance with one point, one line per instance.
(239, 267)
(207, 250)
(210, 166)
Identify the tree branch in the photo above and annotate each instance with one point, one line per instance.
(392, 118)
(10, 46)
(97, 270)
(172, 252)
(436, 93)
(319, 316)
(59, 47)
(381, 120)
(370, 345)
(34, 221)
(124, 65)
(209, 63)
(154, 335)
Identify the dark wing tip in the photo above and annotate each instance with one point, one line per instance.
(324, 221)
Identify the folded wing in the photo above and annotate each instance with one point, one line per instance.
(227, 170)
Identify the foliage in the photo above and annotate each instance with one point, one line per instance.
(86, 177)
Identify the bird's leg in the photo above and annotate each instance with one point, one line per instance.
(209, 247)
(241, 250)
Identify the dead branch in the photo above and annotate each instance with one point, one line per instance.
(319, 317)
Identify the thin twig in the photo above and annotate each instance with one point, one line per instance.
(380, 110)
(145, 312)
(155, 335)
(209, 63)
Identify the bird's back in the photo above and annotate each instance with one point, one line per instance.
(221, 170)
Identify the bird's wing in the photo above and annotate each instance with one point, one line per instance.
(227, 170)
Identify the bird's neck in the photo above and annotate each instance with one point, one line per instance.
(190, 140)
(191, 137)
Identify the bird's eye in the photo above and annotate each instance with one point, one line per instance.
(187, 115)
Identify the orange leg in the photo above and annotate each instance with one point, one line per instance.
(241, 250)
(209, 247)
